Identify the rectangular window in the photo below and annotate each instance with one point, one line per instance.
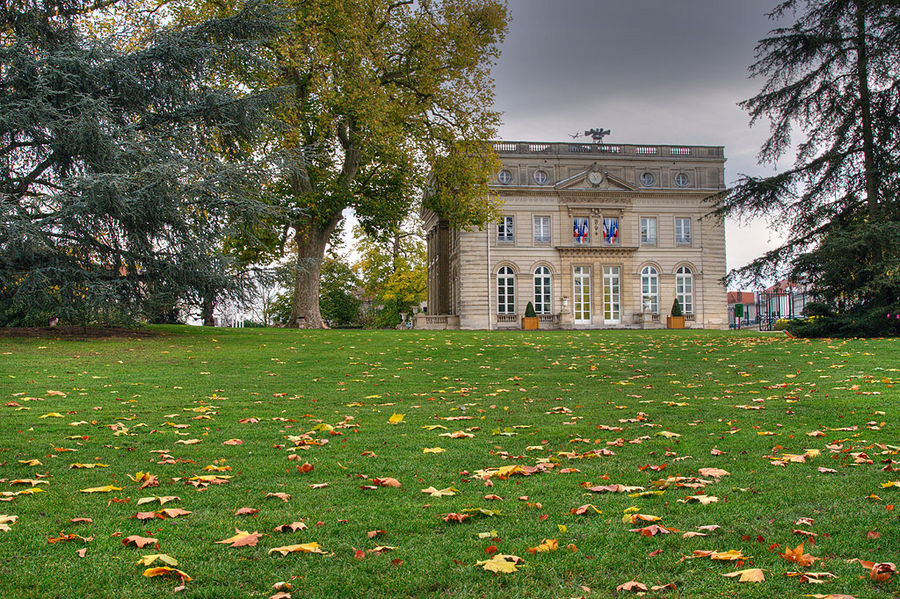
(542, 284)
(648, 231)
(611, 230)
(683, 231)
(505, 230)
(542, 229)
(506, 291)
(580, 230)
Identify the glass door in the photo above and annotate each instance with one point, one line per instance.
(582, 294)
(612, 293)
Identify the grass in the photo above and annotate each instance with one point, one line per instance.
(691, 383)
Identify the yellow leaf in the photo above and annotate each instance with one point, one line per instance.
(51, 415)
(88, 466)
(546, 546)
(449, 491)
(433, 450)
(166, 571)
(504, 564)
(396, 419)
(728, 556)
(147, 560)
(302, 548)
(106, 489)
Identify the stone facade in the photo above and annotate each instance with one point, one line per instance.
(596, 235)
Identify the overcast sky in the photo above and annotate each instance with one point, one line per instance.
(651, 71)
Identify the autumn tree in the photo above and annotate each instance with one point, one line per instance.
(121, 166)
(392, 271)
(832, 91)
(381, 93)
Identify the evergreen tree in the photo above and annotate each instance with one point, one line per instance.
(119, 170)
(834, 77)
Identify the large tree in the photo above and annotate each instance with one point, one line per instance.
(381, 91)
(832, 91)
(121, 167)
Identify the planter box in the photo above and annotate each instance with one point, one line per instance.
(674, 322)
(530, 324)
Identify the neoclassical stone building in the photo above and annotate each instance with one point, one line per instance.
(595, 235)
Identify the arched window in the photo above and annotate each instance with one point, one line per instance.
(506, 291)
(542, 290)
(684, 289)
(650, 289)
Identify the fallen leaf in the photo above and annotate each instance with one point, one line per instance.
(167, 571)
(139, 541)
(293, 527)
(751, 575)
(449, 491)
(632, 585)
(546, 546)
(386, 482)
(713, 472)
(500, 563)
(454, 517)
(583, 509)
(242, 539)
(106, 489)
(302, 548)
(147, 560)
(797, 556)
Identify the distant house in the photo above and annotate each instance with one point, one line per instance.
(744, 315)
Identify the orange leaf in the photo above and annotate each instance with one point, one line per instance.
(167, 571)
(386, 482)
(454, 517)
(139, 541)
(242, 539)
(293, 527)
(797, 556)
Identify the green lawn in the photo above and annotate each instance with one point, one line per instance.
(663, 399)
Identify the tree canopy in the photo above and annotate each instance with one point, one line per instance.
(120, 168)
(832, 91)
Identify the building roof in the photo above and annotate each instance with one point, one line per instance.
(783, 285)
(741, 297)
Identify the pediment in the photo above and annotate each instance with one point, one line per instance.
(587, 181)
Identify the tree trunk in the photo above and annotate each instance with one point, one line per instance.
(308, 268)
(207, 310)
(862, 74)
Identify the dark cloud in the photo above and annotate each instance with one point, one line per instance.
(652, 71)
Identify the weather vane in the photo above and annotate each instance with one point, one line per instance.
(596, 134)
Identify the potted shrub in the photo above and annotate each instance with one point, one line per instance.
(530, 320)
(676, 320)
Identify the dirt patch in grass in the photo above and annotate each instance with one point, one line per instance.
(70, 332)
